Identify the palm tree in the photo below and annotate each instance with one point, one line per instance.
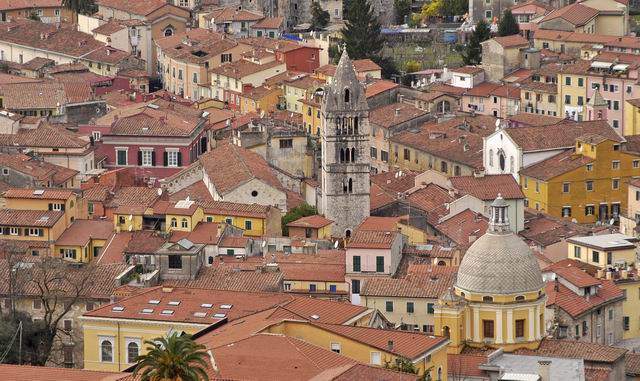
(174, 358)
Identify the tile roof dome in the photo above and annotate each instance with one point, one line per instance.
(499, 262)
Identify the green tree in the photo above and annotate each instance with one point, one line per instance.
(319, 17)
(508, 25)
(173, 358)
(455, 7)
(296, 213)
(34, 16)
(85, 7)
(472, 52)
(361, 33)
(403, 9)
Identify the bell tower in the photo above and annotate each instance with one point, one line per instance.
(346, 162)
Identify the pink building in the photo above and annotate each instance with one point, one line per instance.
(492, 99)
(615, 76)
(158, 138)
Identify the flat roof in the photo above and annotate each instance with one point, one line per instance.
(615, 241)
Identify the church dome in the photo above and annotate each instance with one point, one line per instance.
(499, 262)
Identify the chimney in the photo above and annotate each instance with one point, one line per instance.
(600, 274)
(397, 111)
(624, 274)
(167, 289)
(544, 370)
(390, 345)
(609, 275)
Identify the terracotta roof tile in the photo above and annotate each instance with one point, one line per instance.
(44, 95)
(40, 373)
(407, 344)
(576, 349)
(81, 231)
(575, 305)
(235, 209)
(29, 218)
(576, 14)
(555, 166)
(374, 88)
(141, 8)
(394, 114)
(463, 227)
(243, 68)
(368, 239)
(467, 70)
(466, 365)
(414, 285)
(315, 221)
(632, 364)
(41, 194)
(226, 278)
(488, 187)
(512, 41)
(196, 45)
(269, 23)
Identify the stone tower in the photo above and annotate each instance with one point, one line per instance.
(345, 150)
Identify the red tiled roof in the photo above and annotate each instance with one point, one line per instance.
(141, 8)
(488, 187)
(42, 194)
(591, 352)
(556, 165)
(235, 242)
(41, 373)
(511, 41)
(29, 218)
(204, 232)
(632, 364)
(81, 231)
(466, 365)
(467, 70)
(575, 305)
(407, 344)
(380, 224)
(414, 285)
(315, 221)
(379, 86)
(394, 114)
(268, 23)
(576, 14)
(226, 278)
(576, 276)
(235, 209)
(367, 239)
(463, 226)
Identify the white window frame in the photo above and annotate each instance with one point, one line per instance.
(372, 357)
(126, 155)
(172, 157)
(110, 339)
(97, 135)
(13, 231)
(147, 157)
(335, 347)
(34, 232)
(57, 207)
(129, 340)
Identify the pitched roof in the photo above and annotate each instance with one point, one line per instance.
(394, 114)
(512, 41)
(196, 45)
(632, 364)
(228, 166)
(414, 285)
(488, 187)
(463, 227)
(403, 343)
(44, 95)
(575, 305)
(466, 364)
(132, 199)
(48, 37)
(368, 239)
(560, 135)
(29, 218)
(376, 87)
(226, 278)
(42, 194)
(40, 170)
(269, 23)
(315, 221)
(576, 349)
(45, 135)
(242, 68)
(41, 373)
(576, 14)
(467, 70)
(81, 231)
(227, 14)
(545, 230)
(142, 8)
(235, 209)
(556, 165)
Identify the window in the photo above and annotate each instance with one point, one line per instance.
(537, 187)
(67, 354)
(595, 256)
(333, 288)
(429, 308)
(184, 223)
(567, 81)
(625, 323)
(286, 143)
(519, 328)
(589, 184)
(567, 99)
(566, 211)
(611, 314)
(88, 306)
(577, 251)
(106, 349)
(146, 157)
(565, 187)
(407, 154)
(636, 163)
(580, 82)
(487, 329)
(589, 210)
(375, 358)
(335, 347)
(589, 167)
(552, 99)
(174, 223)
(389, 306)
(35, 232)
(616, 105)
(409, 307)
(248, 225)
(226, 57)
(68, 253)
(180, 74)
(526, 183)
(195, 77)
(615, 164)
(356, 263)
(171, 158)
(444, 167)
(615, 184)
(355, 286)
(121, 156)
(374, 153)
(488, 299)
(312, 287)
(37, 304)
(175, 262)
(380, 264)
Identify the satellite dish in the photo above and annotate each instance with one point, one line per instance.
(612, 221)
(159, 191)
(264, 243)
(187, 199)
(335, 245)
(130, 217)
(130, 228)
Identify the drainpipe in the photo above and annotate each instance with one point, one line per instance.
(118, 341)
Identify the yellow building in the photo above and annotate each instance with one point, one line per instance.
(498, 300)
(372, 346)
(311, 115)
(256, 220)
(314, 227)
(572, 90)
(587, 185)
(540, 97)
(630, 284)
(183, 216)
(632, 117)
(63, 200)
(83, 240)
(301, 88)
(603, 250)
(43, 226)
(259, 99)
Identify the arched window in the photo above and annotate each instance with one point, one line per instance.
(345, 186)
(439, 376)
(184, 223)
(487, 299)
(347, 233)
(355, 125)
(446, 332)
(491, 158)
(133, 350)
(106, 351)
(347, 155)
(342, 155)
(350, 185)
(442, 263)
(502, 160)
(350, 126)
(520, 298)
(346, 95)
(353, 154)
(174, 223)
(168, 32)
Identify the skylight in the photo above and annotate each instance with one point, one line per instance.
(154, 301)
(226, 306)
(117, 308)
(199, 314)
(219, 316)
(174, 303)
(206, 305)
(166, 312)
(147, 311)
